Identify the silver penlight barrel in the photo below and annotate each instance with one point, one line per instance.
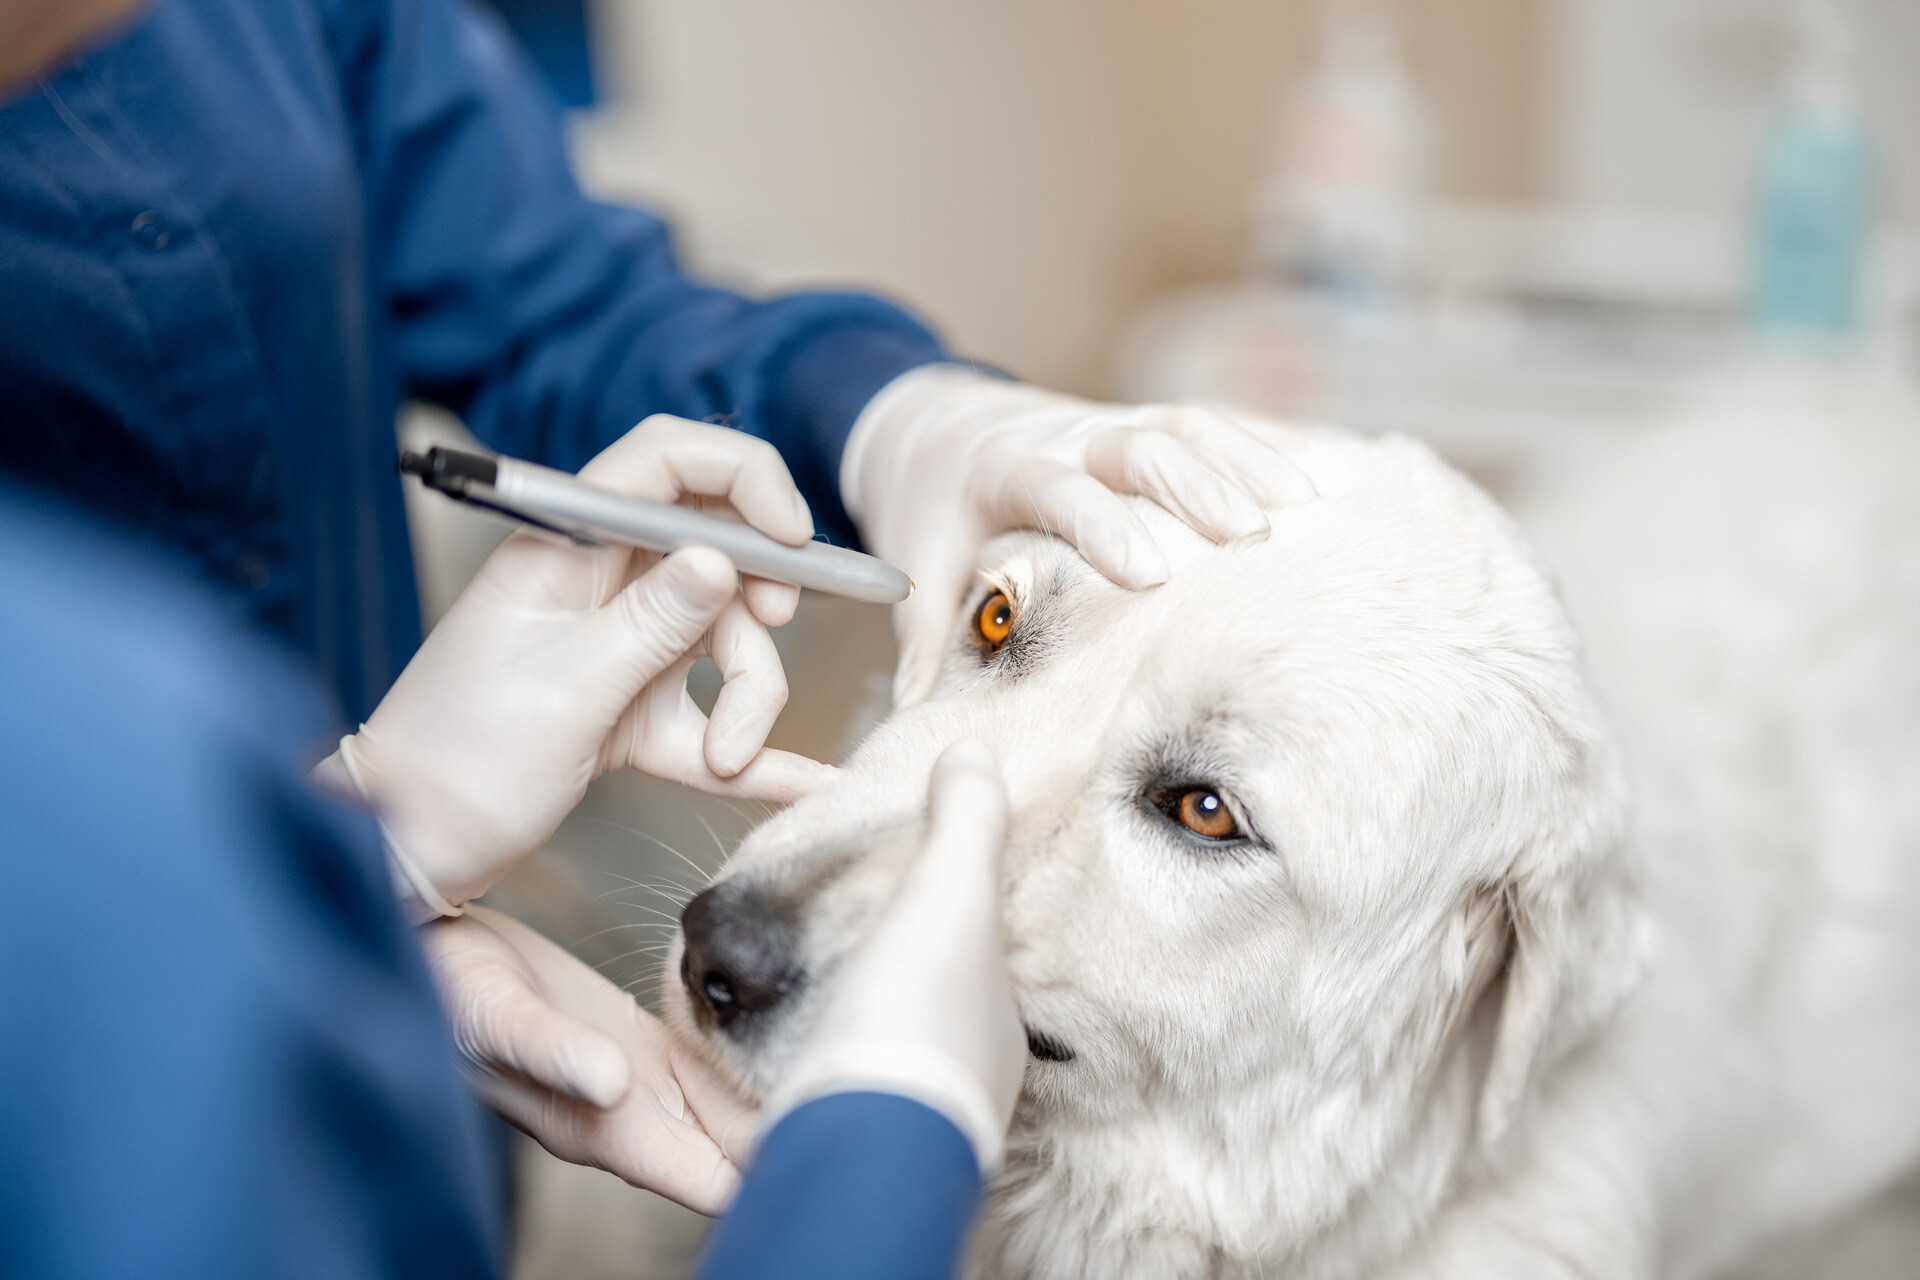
(560, 503)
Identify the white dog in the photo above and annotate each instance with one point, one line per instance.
(1340, 951)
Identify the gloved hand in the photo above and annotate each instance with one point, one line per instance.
(944, 459)
(574, 1062)
(922, 1008)
(559, 663)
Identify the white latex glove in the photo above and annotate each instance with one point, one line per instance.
(559, 663)
(574, 1062)
(944, 459)
(922, 1008)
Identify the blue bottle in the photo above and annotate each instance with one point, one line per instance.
(1814, 198)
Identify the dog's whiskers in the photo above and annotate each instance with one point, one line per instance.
(652, 885)
(718, 844)
(664, 917)
(676, 901)
(616, 928)
(624, 955)
(706, 876)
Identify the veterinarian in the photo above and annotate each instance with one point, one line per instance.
(234, 239)
(220, 1050)
(237, 237)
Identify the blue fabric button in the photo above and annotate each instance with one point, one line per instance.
(151, 232)
(255, 570)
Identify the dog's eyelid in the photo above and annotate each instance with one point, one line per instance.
(997, 605)
(1015, 586)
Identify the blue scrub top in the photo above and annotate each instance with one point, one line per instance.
(221, 1056)
(852, 1186)
(238, 234)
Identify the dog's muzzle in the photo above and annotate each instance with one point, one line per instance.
(740, 959)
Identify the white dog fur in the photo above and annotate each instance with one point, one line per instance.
(1454, 1009)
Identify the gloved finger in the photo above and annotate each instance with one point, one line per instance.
(731, 1120)
(535, 570)
(775, 777)
(658, 1140)
(1252, 457)
(666, 457)
(663, 733)
(951, 895)
(503, 1023)
(941, 567)
(924, 1005)
(966, 824)
(659, 617)
(681, 1161)
(653, 1138)
(662, 711)
(1071, 504)
(951, 905)
(526, 1035)
(772, 602)
(752, 692)
(655, 1149)
(1160, 466)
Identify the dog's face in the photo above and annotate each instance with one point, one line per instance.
(1310, 868)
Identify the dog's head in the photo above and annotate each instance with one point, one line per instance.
(1313, 865)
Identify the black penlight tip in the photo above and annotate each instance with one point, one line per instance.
(448, 470)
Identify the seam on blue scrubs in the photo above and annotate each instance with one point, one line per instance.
(239, 236)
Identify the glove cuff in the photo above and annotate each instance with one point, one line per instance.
(907, 1069)
(901, 404)
(415, 889)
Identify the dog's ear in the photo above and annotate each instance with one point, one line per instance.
(1576, 940)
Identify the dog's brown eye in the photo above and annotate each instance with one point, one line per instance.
(994, 622)
(1204, 813)
(1201, 809)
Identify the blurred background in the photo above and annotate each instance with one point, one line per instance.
(1501, 225)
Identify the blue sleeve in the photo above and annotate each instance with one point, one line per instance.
(220, 1050)
(853, 1186)
(553, 323)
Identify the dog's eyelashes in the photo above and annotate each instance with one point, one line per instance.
(1046, 1048)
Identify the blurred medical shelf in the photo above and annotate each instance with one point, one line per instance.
(1524, 328)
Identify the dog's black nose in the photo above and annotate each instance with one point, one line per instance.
(739, 958)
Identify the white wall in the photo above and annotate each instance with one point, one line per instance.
(1663, 104)
(1025, 171)
(953, 152)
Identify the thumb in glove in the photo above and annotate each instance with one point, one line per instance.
(924, 1008)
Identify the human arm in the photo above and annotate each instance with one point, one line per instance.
(577, 1064)
(223, 1055)
(559, 663)
(550, 322)
(852, 1186)
(897, 1105)
(945, 458)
